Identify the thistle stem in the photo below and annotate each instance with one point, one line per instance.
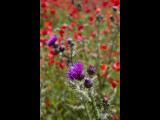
(71, 53)
(86, 106)
(94, 105)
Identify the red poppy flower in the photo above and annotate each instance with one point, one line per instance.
(98, 10)
(114, 85)
(88, 10)
(61, 32)
(116, 66)
(62, 65)
(91, 19)
(116, 2)
(73, 24)
(115, 117)
(51, 61)
(103, 47)
(80, 27)
(53, 12)
(74, 11)
(43, 5)
(93, 35)
(117, 80)
(104, 68)
(47, 104)
(107, 97)
(45, 31)
(105, 3)
(50, 55)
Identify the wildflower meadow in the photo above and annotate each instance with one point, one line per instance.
(79, 59)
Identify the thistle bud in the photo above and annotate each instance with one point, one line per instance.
(88, 83)
(81, 76)
(56, 45)
(112, 18)
(79, 7)
(56, 50)
(105, 100)
(69, 40)
(108, 104)
(91, 70)
(72, 44)
(114, 8)
(62, 48)
(99, 16)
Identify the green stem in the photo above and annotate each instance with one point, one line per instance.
(84, 51)
(110, 56)
(98, 54)
(94, 105)
(86, 106)
(71, 53)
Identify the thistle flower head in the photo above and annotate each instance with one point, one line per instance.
(52, 40)
(75, 71)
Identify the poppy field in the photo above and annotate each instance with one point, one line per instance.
(79, 59)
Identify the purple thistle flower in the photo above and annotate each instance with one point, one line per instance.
(75, 71)
(52, 40)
